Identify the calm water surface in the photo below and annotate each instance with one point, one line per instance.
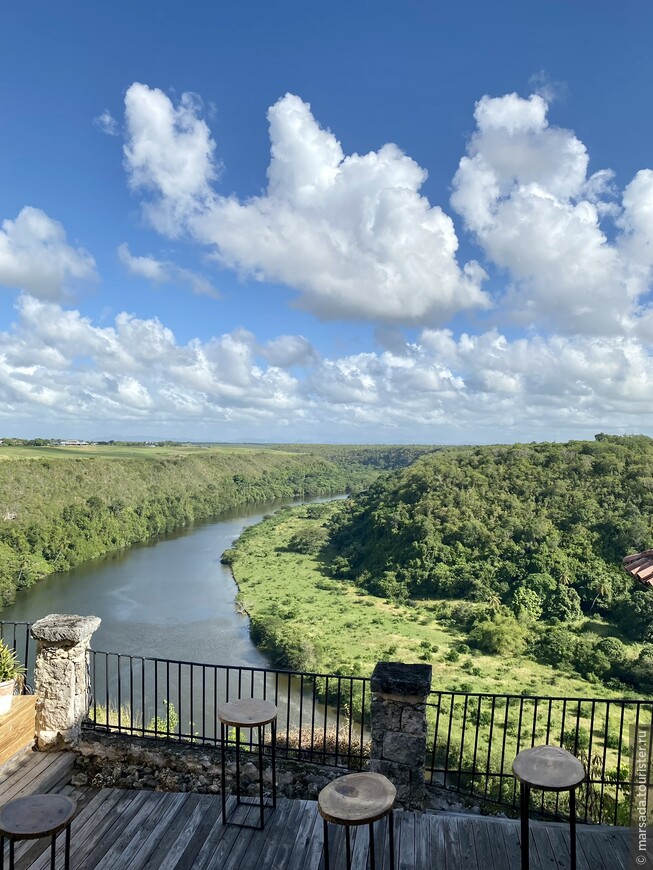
(168, 599)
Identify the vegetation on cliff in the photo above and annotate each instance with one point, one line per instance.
(60, 507)
(530, 536)
(513, 553)
(304, 618)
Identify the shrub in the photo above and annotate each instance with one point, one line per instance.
(502, 635)
(10, 667)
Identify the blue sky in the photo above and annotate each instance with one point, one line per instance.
(361, 222)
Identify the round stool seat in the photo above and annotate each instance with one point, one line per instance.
(255, 714)
(247, 713)
(549, 768)
(357, 799)
(36, 816)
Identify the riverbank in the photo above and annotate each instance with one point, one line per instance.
(57, 513)
(168, 599)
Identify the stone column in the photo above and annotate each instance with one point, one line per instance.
(399, 694)
(61, 678)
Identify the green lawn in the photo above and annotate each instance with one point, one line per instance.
(343, 629)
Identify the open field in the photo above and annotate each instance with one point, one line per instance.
(110, 451)
(319, 623)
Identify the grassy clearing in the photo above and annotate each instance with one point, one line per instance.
(339, 628)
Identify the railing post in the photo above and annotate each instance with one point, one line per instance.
(399, 694)
(61, 678)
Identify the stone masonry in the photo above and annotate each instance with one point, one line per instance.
(60, 678)
(399, 694)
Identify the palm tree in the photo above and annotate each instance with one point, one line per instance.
(603, 590)
(493, 602)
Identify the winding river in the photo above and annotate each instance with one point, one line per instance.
(170, 598)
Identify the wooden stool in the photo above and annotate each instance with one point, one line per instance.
(29, 818)
(358, 799)
(549, 768)
(247, 713)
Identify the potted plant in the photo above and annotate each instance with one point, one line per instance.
(10, 668)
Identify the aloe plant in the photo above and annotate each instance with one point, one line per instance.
(10, 667)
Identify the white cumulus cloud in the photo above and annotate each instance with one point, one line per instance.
(524, 192)
(169, 152)
(61, 368)
(351, 233)
(35, 256)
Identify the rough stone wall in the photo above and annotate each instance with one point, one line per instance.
(123, 762)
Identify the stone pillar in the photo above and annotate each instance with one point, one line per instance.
(399, 694)
(61, 678)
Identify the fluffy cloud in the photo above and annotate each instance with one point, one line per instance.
(169, 153)
(351, 233)
(524, 193)
(132, 370)
(164, 272)
(354, 236)
(136, 377)
(36, 257)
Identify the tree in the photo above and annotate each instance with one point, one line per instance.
(527, 604)
(308, 540)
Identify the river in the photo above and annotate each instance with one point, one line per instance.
(170, 598)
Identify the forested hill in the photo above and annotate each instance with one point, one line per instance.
(59, 507)
(538, 528)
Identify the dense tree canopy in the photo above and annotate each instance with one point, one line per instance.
(537, 531)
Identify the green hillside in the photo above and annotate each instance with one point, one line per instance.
(62, 506)
(531, 537)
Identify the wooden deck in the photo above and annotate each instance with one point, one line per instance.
(118, 829)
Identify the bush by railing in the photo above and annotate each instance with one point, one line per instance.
(473, 739)
(16, 635)
(322, 718)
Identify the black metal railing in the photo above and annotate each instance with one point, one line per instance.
(322, 717)
(16, 635)
(473, 739)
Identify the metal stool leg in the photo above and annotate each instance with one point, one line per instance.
(223, 771)
(525, 792)
(391, 831)
(67, 862)
(53, 851)
(261, 735)
(237, 764)
(274, 768)
(372, 861)
(325, 836)
(572, 826)
(11, 853)
(348, 846)
(2, 852)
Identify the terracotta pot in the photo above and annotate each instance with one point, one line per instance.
(6, 695)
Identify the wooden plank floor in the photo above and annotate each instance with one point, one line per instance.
(118, 829)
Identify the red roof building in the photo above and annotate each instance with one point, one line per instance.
(640, 566)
